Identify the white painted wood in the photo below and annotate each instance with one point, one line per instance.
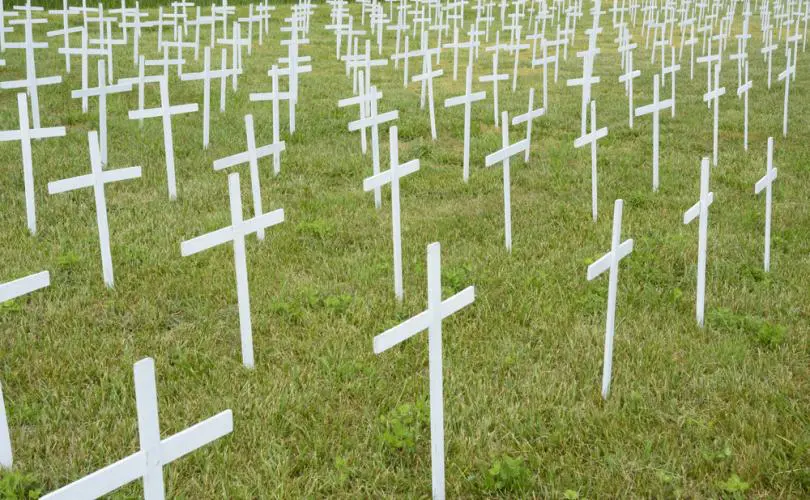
(495, 77)
(426, 77)
(165, 112)
(502, 156)
(393, 176)
(655, 109)
(24, 135)
(148, 462)
(235, 233)
(528, 117)
(790, 70)
(766, 184)
(97, 179)
(431, 320)
(744, 89)
(467, 99)
(610, 262)
(714, 95)
(700, 210)
(591, 139)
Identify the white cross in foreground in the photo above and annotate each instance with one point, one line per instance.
(101, 92)
(502, 156)
(431, 320)
(148, 462)
(9, 291)
(251, 157)
(655, 108)
(236, 233)
(701, 210)
(591, 139)
(97, 179)
(24, 135)
(610, 262)
(165, 111)
(467, 99)
(766, 183)
(392, 177)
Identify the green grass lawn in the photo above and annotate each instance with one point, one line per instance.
(690, 409)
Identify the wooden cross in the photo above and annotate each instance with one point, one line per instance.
(655, 109)
(274, 96)
(96, 179)
(610, 262)
(431, 320)
(148, 462)
(31, 83)
(515, 48)
(700, 210)
(544, 61)
(766, 183)
(65, 31)
(206, 75)
(528, 117)
(102, 91)
(24, 135)
(714, 95)
(768, 51)
(744, 89)
(672, 69)
(495, 77)
(84, 52)
(587, 80)
(502, 156)
(786, 76)
(627, 78)
(9, 291)
(236, 233)
(165, 62)
(427, 76)
(392, 176)
(165, 112)
(467, 99)
(591, 139)
(251, 157)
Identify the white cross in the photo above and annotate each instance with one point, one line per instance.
(148, 462)
(766, 183)
(293, 70)
(141, 80)
(655, 108)
(545, 60)
(24, 135)
(495, 77)
(84, 52)
(97, 179)
(165, 62)
(714, 95)
(786, 76)
(206, 75)
(455, 46)
(591, 139)
(427, 76)
(700, 210)
(515, 48)
(671, 70)
(65, 31)
(236, 233)
(373, 121)
(627, 78)
(502, 156)
(275, 95)
(3, 29)
(431, 320)
(9, 291)
(225, 72)
(743, 89)
(102, 91)
(587, 80)
(467, 99)
(165, 111)
(31, 83)
(610, 262)
(392, 176)
(405, 56)
(528, 117)
(361, 99)
(251, 157)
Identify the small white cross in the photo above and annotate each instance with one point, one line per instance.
(714, 95)
(427, 76)
(528, 117)
(467, 99)
(591, 139)
(655, 108)
(744, 89)
(495, 77)
(700, 210)
(766, 183)
(610, 262)
(236, 233)
(502, 156)
(392, 176)
(786, 76)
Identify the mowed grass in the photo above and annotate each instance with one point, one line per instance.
(690, 409)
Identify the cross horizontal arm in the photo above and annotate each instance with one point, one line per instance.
(156, 112)
(17, 84)
(104, 480)
(591, 137)
(196, 436)
(373, 120)
(96, 91)
(268, 96)
(22, 286)
(694, 210)
(603, 264)
(507, 152)
(214, 238)
(765, 181)
(83, 181)
(383, 178)
(463, 99)
(531, 115)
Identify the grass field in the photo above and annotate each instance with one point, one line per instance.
(721, 411)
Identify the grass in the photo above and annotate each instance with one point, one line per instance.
(712, 412)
